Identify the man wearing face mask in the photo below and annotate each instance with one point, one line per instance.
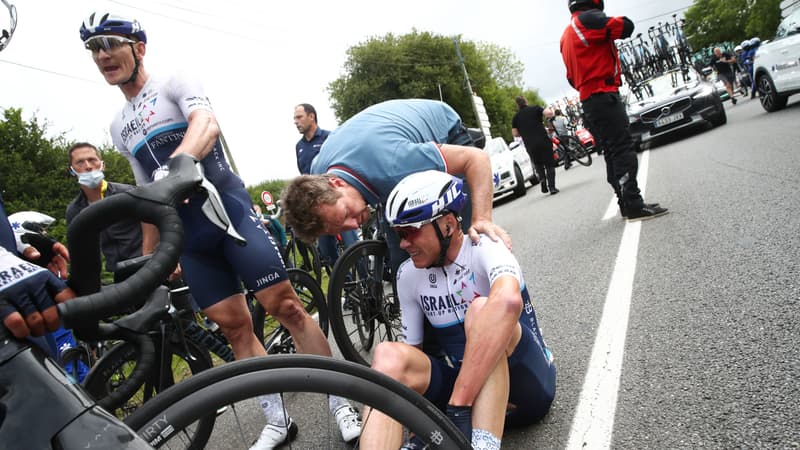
(120, 241)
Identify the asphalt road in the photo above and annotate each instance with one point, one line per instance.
(709, 356)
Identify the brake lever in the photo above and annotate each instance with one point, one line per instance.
(215, 211)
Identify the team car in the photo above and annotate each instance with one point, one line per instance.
(777, 65)
(511, 168)
(672, 106)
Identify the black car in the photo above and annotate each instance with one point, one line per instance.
(669, 104)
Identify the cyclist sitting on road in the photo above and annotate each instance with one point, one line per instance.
(170, 114)
(363, 159)
(474, 296)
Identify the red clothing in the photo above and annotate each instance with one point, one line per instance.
(589, 52)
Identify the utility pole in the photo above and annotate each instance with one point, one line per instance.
(466, 80)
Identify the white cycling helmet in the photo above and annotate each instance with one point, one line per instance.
(423, 197)
(28, 222)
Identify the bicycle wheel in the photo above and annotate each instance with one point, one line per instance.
(363, 303)
(300, 255)
(118, 362)
(579, 153)
(277, 339)
(236, 384)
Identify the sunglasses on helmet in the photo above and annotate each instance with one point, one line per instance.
(106, 42)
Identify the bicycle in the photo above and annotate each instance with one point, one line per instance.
(56, 413)
(167, 320)
(362, 298)
(569, 148)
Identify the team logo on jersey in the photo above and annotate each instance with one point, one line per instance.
(432, 278)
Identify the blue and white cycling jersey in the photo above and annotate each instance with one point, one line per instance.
(152, 125)
(442, 295)
(147, 131)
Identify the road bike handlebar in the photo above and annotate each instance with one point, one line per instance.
(153, 203)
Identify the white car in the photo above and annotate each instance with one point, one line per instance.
(511, 168)
(777, 65)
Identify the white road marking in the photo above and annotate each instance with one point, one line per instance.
(593, 425)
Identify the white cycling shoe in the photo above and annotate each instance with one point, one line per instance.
(348, 421)
(275, 435)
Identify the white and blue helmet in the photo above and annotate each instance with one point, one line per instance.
(101, 23)
(423, 197)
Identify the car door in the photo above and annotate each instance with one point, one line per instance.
(786, 54)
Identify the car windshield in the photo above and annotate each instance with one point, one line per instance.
(668, 85)
(496, 146)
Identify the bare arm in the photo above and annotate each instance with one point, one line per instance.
(149, 238)
(492, 333)
(474, 163)
(201, 135)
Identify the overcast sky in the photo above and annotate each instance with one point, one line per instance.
(258, 60)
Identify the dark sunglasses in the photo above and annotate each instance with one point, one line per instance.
(107, 43)
(407, 233)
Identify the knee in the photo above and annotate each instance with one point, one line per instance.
(391, 358)
(281, 302)
(236, 329)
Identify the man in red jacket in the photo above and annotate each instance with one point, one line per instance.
(593, 68)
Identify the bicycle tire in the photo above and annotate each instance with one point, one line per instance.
(311, 297)
(302, 256)
(579, 154)
(180, 406)
(111, 369)
(362, 301)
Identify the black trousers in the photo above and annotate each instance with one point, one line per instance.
(607, 119)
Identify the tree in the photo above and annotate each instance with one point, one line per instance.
(710, 22)
(425, 65)
(764, 19)
(34, 169)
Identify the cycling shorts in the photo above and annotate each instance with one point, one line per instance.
(214, 265)
(532, 388)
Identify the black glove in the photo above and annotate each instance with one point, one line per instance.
(43, 244)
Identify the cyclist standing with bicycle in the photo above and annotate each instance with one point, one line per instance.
(167, 115)
(593, 68)
(307, 148)
(363, 160)
(476, 300)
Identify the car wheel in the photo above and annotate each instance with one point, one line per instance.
(770, 99)
(520, 189)
(720, 118)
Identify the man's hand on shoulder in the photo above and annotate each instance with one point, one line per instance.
(492, 230)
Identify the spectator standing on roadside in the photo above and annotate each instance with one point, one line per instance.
(120, 241)
(307, 148)
(723, 63)
(593, 68)
(528, 123)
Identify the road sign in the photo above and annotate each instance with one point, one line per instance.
(266, 198)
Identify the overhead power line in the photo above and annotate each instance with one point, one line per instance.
(52, 72)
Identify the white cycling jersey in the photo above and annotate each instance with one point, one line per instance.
(442, 294)
(152, 125)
